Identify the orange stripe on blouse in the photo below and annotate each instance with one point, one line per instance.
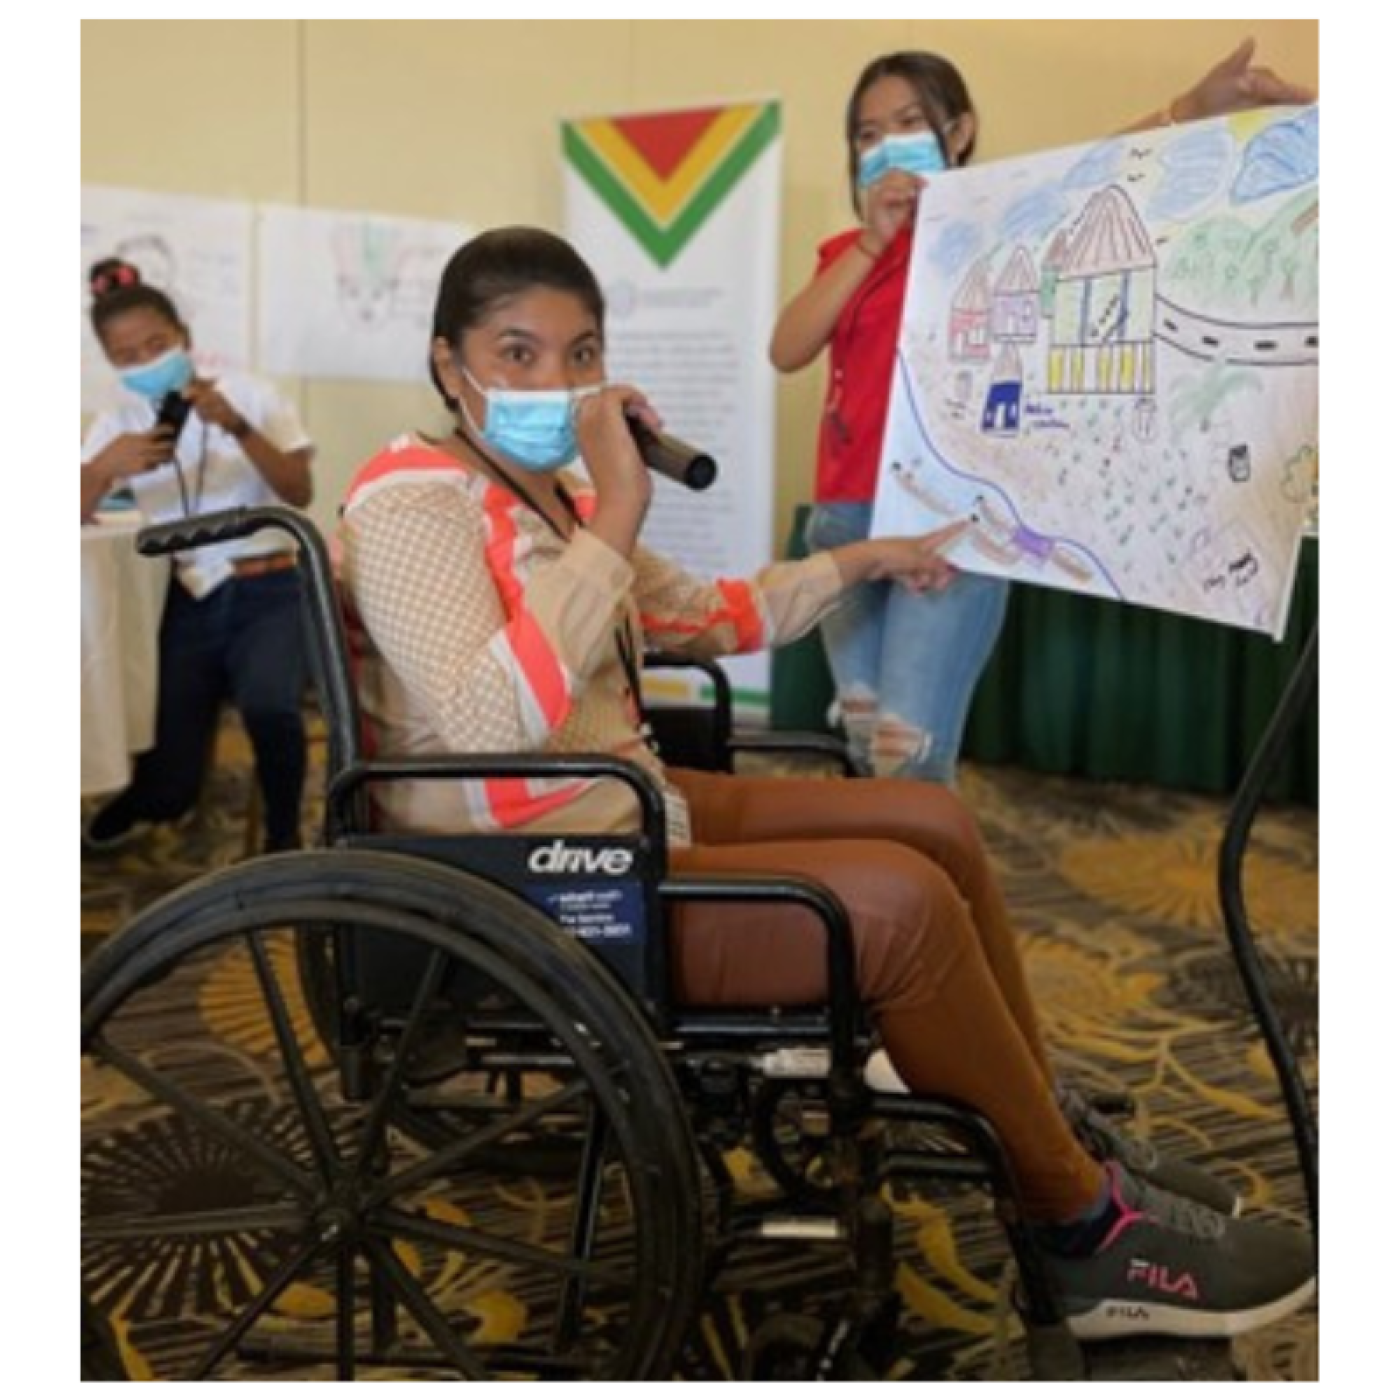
(539, 664)
(740, 611)
(410, 457)
(502, 543)
(513, 804)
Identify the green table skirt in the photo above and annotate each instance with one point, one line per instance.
(1104, 690)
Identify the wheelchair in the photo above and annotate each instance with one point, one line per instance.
(438, 1112)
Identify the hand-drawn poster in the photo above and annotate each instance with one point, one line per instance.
(348, 296)
(1109, 363)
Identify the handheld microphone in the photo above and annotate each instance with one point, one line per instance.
(173, 410)
(670, 457)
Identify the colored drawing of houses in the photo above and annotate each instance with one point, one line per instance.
(1016, 299)
(1050, 266)
(1102, 324)
(1001, 414)
(969, 318)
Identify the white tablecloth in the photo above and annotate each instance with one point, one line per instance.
(123, 595)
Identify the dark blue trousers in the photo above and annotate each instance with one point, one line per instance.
(242, 643)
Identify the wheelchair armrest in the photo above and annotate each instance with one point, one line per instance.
(355, 778)
(790, 741)
(843, 999)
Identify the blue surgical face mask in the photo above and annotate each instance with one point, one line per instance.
(534, 428)
(917, 151)
(167, 373)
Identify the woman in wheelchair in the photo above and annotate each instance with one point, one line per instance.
(502, 598)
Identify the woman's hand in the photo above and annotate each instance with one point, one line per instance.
(610, 453)
(288, 473)
(126, 456)
(916, 561)
(889, 205)
(213, 408)
(134, 453)
(1234, 85)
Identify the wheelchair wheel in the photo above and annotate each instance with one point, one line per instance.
(244, 1215)
(425, 1110)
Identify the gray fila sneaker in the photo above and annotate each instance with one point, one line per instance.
(1171, 1267)
(1111, 1143)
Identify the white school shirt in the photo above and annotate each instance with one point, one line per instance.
(216, 472)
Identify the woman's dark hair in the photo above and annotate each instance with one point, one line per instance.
(498, 265)
(939, 87)
(116, 288)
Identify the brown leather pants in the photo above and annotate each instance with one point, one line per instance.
(936, 956)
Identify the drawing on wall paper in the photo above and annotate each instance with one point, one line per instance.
(347, 295)
(1109, 362)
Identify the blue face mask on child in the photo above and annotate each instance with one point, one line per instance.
(534, 428)
(917, 151)
(167, 373)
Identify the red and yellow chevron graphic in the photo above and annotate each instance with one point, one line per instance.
(664, 173)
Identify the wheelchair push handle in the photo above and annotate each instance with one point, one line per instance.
(219, 527)
(330, 659)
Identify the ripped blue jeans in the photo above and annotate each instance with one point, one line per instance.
(905, 665)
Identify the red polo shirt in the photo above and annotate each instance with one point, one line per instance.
(861, 358)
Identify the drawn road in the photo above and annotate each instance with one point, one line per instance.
(1236, 343)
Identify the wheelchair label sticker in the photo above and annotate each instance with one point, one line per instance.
(593, 913)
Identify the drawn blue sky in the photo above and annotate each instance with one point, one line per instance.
(956, 247)
(1195, 168)
(1100, 165)
(1284, 157)
(1034, 215)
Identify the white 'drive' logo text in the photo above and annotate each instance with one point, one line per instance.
(560, 859)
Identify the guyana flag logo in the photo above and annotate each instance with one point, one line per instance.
(663, 174)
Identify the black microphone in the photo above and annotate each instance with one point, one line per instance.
(173, 410)
(670, 457)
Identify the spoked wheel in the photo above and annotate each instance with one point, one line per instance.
(243, 1216)
(451, 1085)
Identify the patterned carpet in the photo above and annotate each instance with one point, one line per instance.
(1115, 891)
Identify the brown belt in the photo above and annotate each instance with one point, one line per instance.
(263, 564)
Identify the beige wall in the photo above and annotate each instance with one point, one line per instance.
(457, 120)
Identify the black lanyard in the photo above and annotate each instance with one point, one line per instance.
(199, 470)
(622, 636)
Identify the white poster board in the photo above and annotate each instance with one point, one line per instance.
(345, 295)
(198, 251)
(677, 214)
(1109, 363)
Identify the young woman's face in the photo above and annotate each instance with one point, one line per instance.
(543, 338)
(138, 336)
(890, 106)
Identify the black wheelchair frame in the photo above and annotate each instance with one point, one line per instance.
(388, 971)
(702, 734)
